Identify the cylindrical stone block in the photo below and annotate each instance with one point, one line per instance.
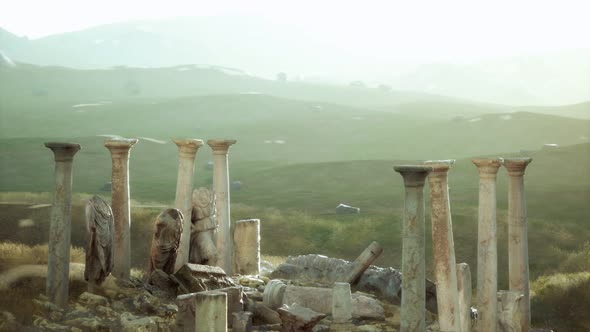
(247, 246)
(487, 252)
(445, 272)
(223, 240)
(187, 152)
(58, 260)
(119, 149)
(341, 303)
(211, 312)
(518, 246)
(464, 289)
(413, 301)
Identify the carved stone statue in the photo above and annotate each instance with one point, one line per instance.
(99, 246)
(167, 231)
(204, 224)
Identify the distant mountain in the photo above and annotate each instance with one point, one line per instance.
(265, 48)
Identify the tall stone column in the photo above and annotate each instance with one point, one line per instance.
(119, 149)
(487, 251)
(58, 260)
(187, 152)
(518, 246)
(445, 272)
(223, 241)
(413, 301)
(247, 247)
(464, 288)
(211, 311)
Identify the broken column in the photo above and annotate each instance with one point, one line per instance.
(210, 311)
(464, 290)
(187, 152)
(413, 263)
(509, 311)
(518, 247)
(223, 241)
(58, 260)
(341, 307)
(361, 263)
(445, 272)
(119, 149)
(487, 252)
(247, 246)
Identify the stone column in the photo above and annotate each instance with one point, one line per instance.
(247, 247)
(464, 289)
(187, 152)
(119, 149)
(445, 272)
(518, 246)
(211, 312)
(341, 303)
(58, 261)
(223, 240)
(413, 261)
(487, 251)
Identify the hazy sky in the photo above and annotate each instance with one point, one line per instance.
(450, 29)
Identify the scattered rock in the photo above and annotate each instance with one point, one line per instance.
(131, 323)
(92, 300)
(347, 209)
(242, 321)
(296, 318)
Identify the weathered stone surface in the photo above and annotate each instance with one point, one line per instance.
(211, 311)
(187, 152)
(223, 241)
(518, 247)
(487, 252)
(347, 209)
(119, 149)
(100, 229)
(132, 323)
(92, 300)
(341, 303)
(296, 318)
(162, 280)
(166, 241)
(413, 259)
(58, 263)
(361, 263)
(247, 246)
(509, 315)
(198, 278)
(262, 314)
(242, 321)
(464, 289)
(146, 303)
(45, 325)
(204, 224)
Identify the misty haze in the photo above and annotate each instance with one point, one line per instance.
(278, 145)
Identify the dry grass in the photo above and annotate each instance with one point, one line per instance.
(14, 254)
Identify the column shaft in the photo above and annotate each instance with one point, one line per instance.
(187, 152)
(223, 241)
(413, 301)
(464, 289)
(518, 253)
(58, 260)
(211, 312)
(247, 246)
(119, 149)
(487, 252)
(445, 272)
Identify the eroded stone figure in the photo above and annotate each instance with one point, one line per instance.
(204, 224)
(99, 246)
(167, 231)
(509, 305)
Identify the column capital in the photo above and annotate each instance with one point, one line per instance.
(440, 168)
(220, 146)
(188, 146)
(63, 151)
(487, 166)
(515, 166)
(414, 175)
(119, 146)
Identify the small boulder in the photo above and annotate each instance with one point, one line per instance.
(347, 209)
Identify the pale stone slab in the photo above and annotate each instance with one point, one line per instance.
(341, 303)
(247, 246)
(211, 311)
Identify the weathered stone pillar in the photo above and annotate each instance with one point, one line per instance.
(187, 152)
(445, 272)
(341, 303)
(487, 251)
(464, 289)
(119, 149)
(247, 246)
(58, 260)
(413, 261)
(518, 246)
(223, 240)
(211, 312)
